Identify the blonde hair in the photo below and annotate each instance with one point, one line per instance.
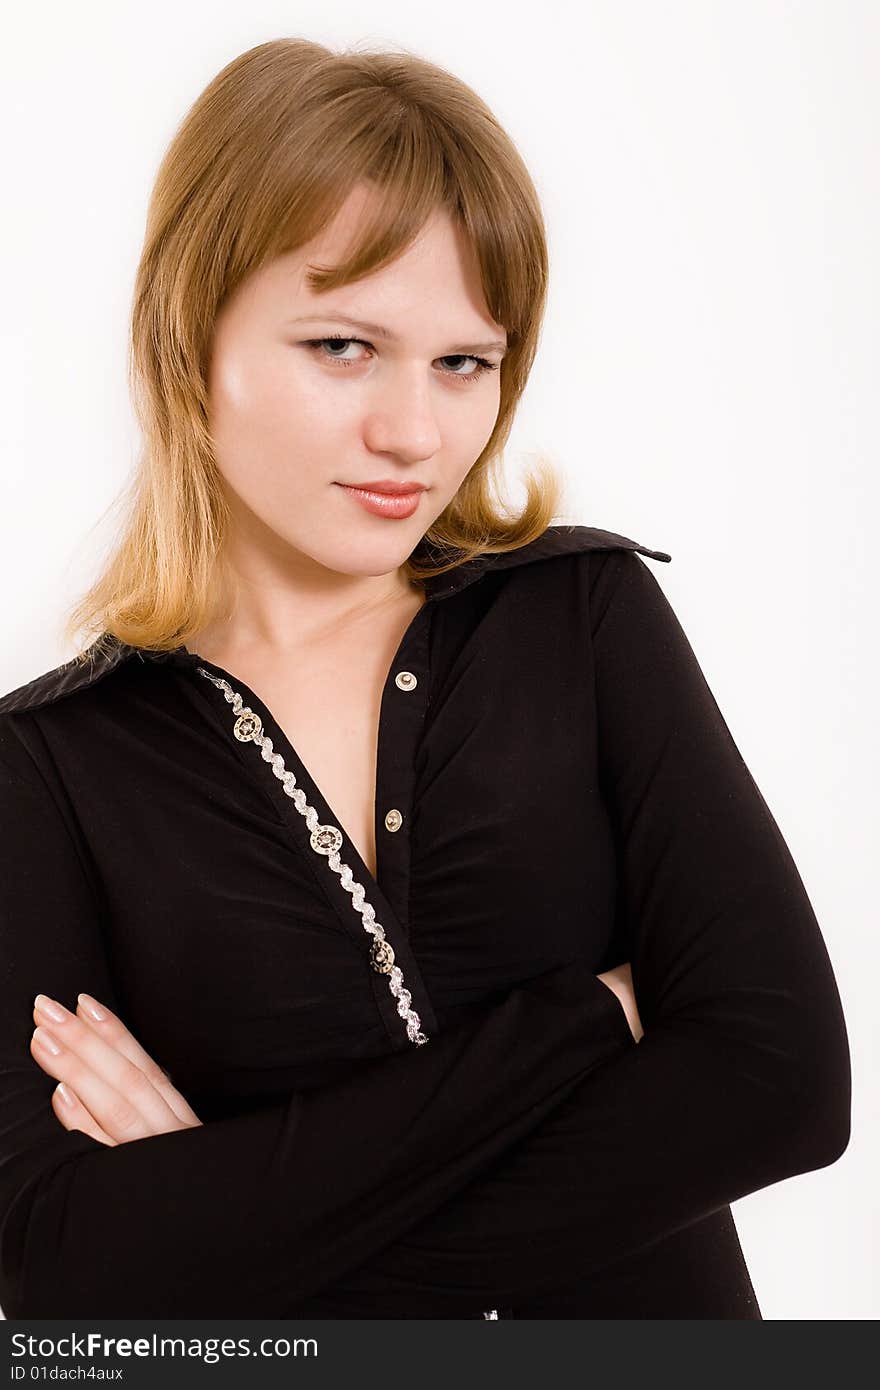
(259, 166)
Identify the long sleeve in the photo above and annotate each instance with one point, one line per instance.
(742, 1077)
(250, 1214)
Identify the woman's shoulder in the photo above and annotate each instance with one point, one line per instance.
(573, 540)
(106, 654)
(555, 542)
(97, 661)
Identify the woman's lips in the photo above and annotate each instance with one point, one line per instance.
(395, 506)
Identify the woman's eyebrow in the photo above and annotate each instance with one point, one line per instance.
(376, 330)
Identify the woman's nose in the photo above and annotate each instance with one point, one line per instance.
(402, 418)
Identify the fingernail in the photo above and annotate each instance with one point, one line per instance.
(64, 1093)
(45, 1039)
(50, 1007)
(91, 1007)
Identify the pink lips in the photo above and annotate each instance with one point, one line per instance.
(386, 497)
(387, 485)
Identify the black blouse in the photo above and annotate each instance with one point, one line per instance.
(418, 1099)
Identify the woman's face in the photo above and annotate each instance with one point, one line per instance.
(296, 420)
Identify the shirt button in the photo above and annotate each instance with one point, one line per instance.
(247, 726)
(405, 680)
(393, 820)
(382, 956)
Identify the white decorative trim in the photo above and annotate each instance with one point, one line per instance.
(492, 1313)
(325, 840)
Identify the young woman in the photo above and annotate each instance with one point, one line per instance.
(336, 863)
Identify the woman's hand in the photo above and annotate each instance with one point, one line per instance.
(620, 980)
(110, 1088)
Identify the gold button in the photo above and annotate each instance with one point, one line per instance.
(382, 956)
(405, 680)
(247, 726)
(393, 820)
(326, 838)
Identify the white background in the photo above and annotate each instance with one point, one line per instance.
(707, 380)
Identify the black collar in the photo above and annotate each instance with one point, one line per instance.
(71, 676)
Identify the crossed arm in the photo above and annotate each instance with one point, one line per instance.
(109, 1087)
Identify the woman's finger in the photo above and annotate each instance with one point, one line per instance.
(110, 1027)
(120, 1117)
(113, 1089)
(73, 1114)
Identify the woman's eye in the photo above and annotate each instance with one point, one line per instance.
(318, 345)
(480, 365)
